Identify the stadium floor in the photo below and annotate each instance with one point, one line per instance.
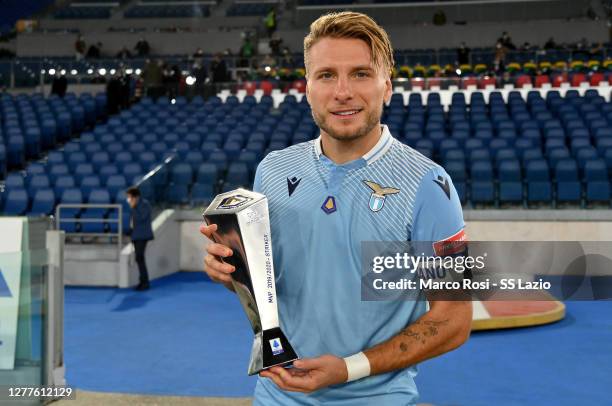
(189, 337)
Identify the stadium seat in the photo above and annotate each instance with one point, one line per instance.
(568, 185)
(510, 182)
(96, 197)
(17, 202)
(537, 177)
(597, 181)
(202, 193)
(482, 188)
(43, 203)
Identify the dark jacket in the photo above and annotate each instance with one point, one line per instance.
(141, 221)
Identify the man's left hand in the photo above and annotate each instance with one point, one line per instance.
(309, 374)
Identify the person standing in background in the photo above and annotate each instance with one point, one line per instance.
(79, 47)
(141, 232)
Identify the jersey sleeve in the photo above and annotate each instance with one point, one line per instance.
(437, 215)
(257, 180)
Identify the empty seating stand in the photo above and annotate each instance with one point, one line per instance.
(534, 151)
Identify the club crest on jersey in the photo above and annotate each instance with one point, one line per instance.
(379, 194)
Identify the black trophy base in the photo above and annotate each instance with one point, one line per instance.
(270, 348)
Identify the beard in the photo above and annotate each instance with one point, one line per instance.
(371, 122)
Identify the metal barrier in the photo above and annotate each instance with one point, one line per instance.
(119, 220)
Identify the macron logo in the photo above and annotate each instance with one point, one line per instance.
(292, 184)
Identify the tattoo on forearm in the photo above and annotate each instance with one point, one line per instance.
(429, 329)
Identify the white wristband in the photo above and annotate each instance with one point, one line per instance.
(358, 366)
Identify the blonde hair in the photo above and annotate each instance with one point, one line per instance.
(349, 24)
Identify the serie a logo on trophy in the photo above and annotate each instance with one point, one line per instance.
(244, 226)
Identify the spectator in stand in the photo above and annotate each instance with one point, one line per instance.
(218, 70)
(287, 59)
(199, 73)
(198, 56)
(550, 44)
(463, 54)
(152, 76)
(499, 62)
(506, 41)
(80, 47)
(172, 78)
(270, 22)
(114, 94)
(439, 18)
(94, 51)
(59, 85)
(504, 79)
(275, 44)
(597, 50)
(247, 51)
(142, 47)
(124, 53)
(268, 61)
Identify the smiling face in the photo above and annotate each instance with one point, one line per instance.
(345, 90)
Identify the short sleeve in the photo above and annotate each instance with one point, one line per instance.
(257, 180)
(437, 214)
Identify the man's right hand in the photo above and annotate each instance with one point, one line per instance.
(217, 270)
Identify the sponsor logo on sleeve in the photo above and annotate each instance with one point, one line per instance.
(454, 244)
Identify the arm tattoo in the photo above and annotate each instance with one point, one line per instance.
(430, 329)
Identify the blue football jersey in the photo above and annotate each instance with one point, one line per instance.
(320, 213)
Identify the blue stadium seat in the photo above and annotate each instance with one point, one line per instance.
(14, 181)
(116, 183)
(89, 183)
(238, 174)
(96, 196)
(202, 193)
(510, 182)
(482, 188)
(537, 177)
(181, 174)
(568, 184)
(207, 174)
(62, 183)
(38, 182)
(17, 202)
(597, 181)
(43, 203)
(458, 173)
(177, 193)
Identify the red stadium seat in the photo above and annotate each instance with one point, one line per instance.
(469, 81)
(558, 79)
(434, 82)
(541, 79)
(250, 87)
(267, 87)
(299, 85)
(418, 82)
(523, 80)
(578, 78)
(486, 81)
(597, 78)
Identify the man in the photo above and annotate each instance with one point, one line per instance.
(323, 206)
(463, 55)
(142, 47)
(142, 233)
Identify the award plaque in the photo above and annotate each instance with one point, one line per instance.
(244, 226)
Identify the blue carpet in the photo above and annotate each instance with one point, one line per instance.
(188, 336)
